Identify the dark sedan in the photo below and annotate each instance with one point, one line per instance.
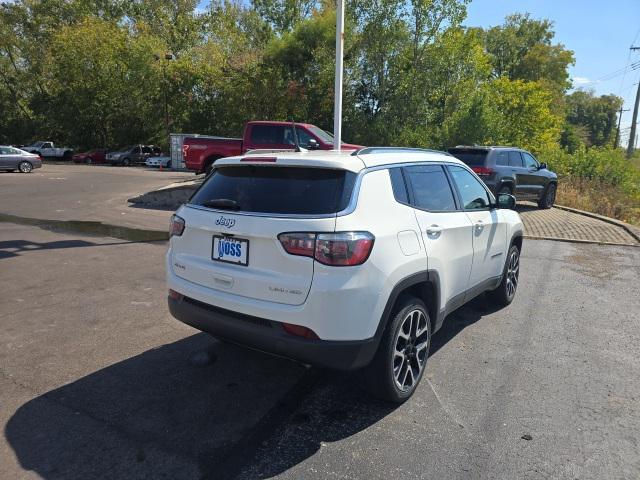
(97, 155)
(12, 159)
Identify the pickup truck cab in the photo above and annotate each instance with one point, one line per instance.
(48, 149)
(200, 153)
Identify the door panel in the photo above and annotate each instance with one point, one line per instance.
(489, 237)
(535, 181)
(446, 231)
(447, 239)
(488, 232)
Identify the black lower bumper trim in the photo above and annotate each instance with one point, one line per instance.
(270, 337)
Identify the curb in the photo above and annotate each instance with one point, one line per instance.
(577, 240)
(610, 220)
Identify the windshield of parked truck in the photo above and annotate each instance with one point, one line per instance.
(321, 134)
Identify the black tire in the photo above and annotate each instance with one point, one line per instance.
(25, 167)
(89, 160)
(548, 197)
(506, 291)
(67, 155)
(168, 164)
(379, 377)
(126, 162)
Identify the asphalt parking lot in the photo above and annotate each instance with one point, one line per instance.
(98, 381)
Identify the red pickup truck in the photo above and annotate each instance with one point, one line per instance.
(199, 153)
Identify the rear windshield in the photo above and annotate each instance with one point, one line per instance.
(473, 158)
(279, 190)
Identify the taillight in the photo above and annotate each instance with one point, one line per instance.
(483, 171)
(176, 226)
(185, 150)
(335, 249)
(298, 243)
(175, 295)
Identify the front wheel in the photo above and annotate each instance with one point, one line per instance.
(399, 363)
(548, 197)
(126, 162)
(25, 167)
(506, 291)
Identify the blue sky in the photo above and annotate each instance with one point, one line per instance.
(599, 32)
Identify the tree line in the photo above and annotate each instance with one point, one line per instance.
(97, 73)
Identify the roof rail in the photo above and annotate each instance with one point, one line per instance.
(370, 150)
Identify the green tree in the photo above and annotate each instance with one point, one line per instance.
(594, 116)
(521, 49)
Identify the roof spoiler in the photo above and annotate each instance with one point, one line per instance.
(273, 150)
(370, 150)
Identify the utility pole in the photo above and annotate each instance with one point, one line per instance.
(617, 143)
(634, 120)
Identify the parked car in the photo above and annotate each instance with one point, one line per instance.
(340, 260)
(12, 158)
(134, 154)
(49, 150)
(511, 170)
(96, 155)
(201, 152)
(162, 161)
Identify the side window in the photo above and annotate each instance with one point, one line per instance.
(529, 161)
(515, 159)
(135, 150)
(146, 150)
(398, 185)
(303, 137)
(502, 158)
(474, 196)
(269, 134)
(4, 151)
(430, 188)
(288, 138)
(47, 145)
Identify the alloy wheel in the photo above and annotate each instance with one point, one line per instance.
(25, 167)
(411, 348)
(513, 269)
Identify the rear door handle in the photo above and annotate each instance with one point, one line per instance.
(434, 229)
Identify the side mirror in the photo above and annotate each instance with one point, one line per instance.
(506, 200)
(542, 166)
(313, 144)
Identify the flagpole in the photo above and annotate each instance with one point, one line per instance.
(337, 109)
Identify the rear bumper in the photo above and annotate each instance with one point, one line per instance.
(270, 337)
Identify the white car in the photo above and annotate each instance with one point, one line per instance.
(164, 162)
(341, 260)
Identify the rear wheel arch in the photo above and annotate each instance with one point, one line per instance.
(423, 285)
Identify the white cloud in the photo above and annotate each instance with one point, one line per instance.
(578, 81)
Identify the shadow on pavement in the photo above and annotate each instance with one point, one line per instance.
(15, 248)
(161, 415)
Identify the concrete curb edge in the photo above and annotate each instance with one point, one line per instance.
(610, 220)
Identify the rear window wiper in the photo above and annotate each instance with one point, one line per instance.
(221, 203)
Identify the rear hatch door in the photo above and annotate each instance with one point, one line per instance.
(230, 242)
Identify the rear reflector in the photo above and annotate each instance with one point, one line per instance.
(483, 171)
(343, 249)
(259, 159)
(299, 331)
(175, 295)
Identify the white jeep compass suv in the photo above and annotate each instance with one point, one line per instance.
(341, 260)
